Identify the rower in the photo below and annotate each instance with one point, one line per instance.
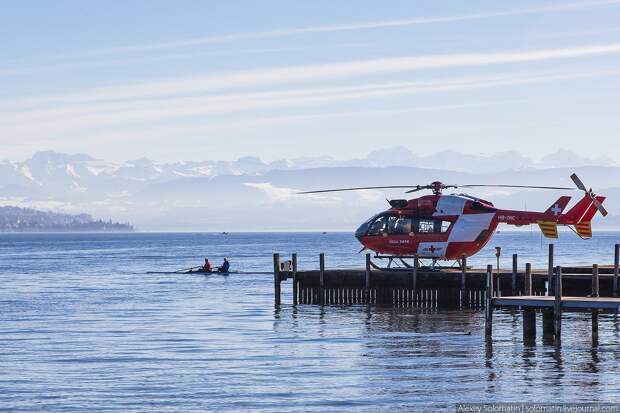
(225, 266)
(207, 266)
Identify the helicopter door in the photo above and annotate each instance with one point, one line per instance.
(400, 229)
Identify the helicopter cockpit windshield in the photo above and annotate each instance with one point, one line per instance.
(378, 226)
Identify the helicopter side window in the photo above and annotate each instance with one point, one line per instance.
(432, 226)
(426, 226)
(445, 226)
(399, 225)
(379, 226)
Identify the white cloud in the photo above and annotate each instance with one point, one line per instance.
(370, 195)
(279, 194)
(71, 118)
(274, 193)
(345, 28)
(305, 73)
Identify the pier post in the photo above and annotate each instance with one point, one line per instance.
(616, 267)
(550, 271)
(514, 274)
(276, 278)
(547, 323)
(464, 301)
(488, 310)
(498, 253)
(322, 278)
(294, 259)
(595, 293)
(527, 290)
(416, 265)
(557, 306)
(595, 287)
(367, 289)
(529, 325)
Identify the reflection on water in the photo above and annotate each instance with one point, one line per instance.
(85, 328)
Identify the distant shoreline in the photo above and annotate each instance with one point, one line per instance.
(69, 232)
(229, 233)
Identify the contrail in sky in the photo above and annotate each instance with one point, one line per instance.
(344, 28)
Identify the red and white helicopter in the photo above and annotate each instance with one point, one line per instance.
(446, 227)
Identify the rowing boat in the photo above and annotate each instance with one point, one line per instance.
(193, 272)
(209, 272)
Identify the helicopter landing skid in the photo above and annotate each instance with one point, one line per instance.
(399, 263)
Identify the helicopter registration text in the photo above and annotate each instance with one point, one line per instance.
(398, 241)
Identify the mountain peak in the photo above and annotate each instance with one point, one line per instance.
(567, 158)
(56, 157)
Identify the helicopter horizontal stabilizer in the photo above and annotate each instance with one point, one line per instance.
(584, 229)
(548, 228)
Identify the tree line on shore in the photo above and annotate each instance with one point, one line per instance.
(15, 219)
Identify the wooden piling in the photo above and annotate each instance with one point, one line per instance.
(488, 310)
(514, 274)
(295, 292)
(557, 307)
(616, 268)
(595, 279)
(276, 278)
(367, 284)
(547, 323)
(595, 293)
(529, 324)
(321, 278)
(527, 290)
(414, 275)
(550, 271)
(464, 300)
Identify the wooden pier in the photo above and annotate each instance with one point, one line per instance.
(552, 307)
(447, 288)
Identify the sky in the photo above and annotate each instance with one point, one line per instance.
(196, 80)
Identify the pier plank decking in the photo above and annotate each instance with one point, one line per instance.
(552, 307)
(568, 303)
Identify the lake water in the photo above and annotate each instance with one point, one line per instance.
(83, 327)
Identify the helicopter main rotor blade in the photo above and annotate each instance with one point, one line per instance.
(599, 206)
(361, 188)
(578, 182)
(518, 186)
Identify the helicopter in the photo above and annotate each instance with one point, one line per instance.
(451, 227)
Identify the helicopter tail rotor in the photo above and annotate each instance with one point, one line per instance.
(589, 193)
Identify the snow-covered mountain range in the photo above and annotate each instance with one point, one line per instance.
(249, 194)
(77, 172)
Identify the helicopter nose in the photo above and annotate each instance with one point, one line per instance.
(361, 231)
